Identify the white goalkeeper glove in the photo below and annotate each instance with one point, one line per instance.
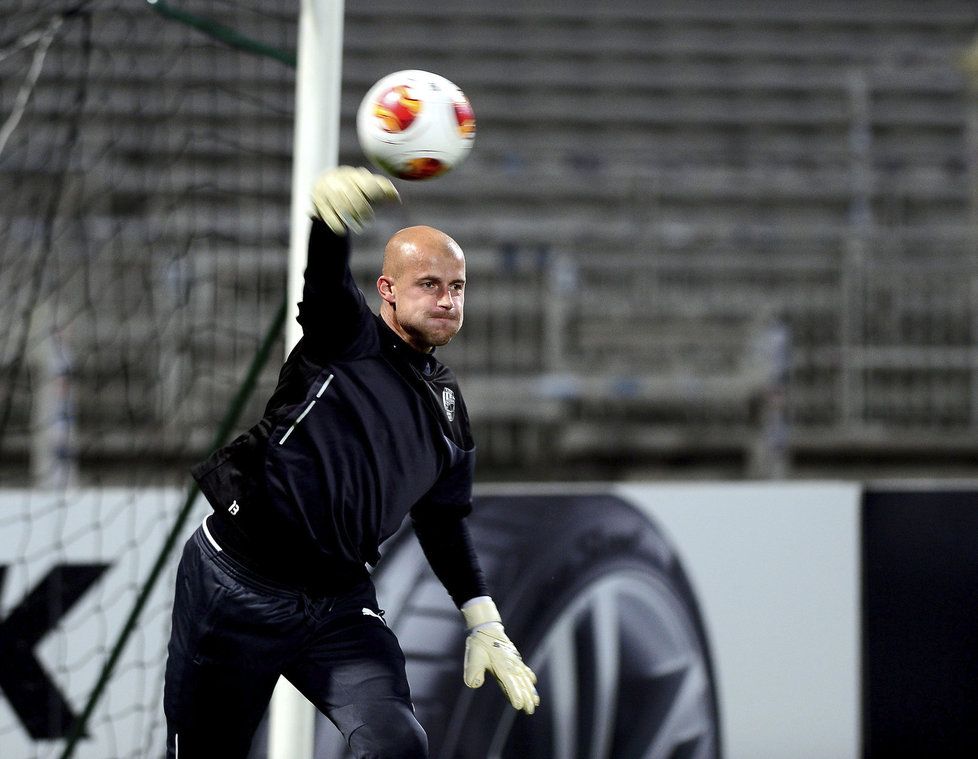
(343, 197)
(488, 648)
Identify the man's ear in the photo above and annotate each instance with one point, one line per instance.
(386, 289)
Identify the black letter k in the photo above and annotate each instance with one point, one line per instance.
(37, 701)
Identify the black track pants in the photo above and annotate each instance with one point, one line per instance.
(233, 635)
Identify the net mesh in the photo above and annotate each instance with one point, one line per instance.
(143, 235)
(142, 248)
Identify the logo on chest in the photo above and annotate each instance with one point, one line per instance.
(448, 401)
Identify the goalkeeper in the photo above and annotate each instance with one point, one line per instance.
(364, 428)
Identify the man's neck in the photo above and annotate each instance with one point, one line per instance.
(390, 319)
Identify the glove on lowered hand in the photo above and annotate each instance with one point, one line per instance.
(344, 197)
(488, 648)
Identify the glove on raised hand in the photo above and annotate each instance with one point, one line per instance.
(343, 197)
(488, 648)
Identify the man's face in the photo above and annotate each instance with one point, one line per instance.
(427, 295)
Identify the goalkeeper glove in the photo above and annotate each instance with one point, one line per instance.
(343, 197)
(488, 648)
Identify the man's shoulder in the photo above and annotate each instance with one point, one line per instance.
(443, 374)
(348, 338)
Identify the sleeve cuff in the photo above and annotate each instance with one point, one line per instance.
(480, 611)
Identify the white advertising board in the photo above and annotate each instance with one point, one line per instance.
(91, 549)
(774, 567)
(776, 571)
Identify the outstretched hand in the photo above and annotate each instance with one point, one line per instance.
(489, 649)
(343, 197)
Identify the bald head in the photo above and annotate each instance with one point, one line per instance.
(411, 244)
(422, 286)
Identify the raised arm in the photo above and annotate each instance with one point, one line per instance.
(332, 304)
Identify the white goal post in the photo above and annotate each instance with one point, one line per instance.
(319, 69)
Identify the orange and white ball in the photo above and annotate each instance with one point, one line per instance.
(415, 125)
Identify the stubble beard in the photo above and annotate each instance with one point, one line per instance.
(438, 338)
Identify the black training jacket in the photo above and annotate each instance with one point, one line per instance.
(361, 431)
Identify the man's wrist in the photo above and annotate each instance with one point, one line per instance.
(480, 611)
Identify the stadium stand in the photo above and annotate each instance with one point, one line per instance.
(740, 201)
(703, 237)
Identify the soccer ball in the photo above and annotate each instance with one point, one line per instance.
(415, 125)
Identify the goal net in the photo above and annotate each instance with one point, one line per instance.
(145, 156)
